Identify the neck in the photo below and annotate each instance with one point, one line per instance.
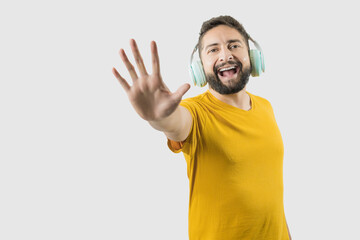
(240, 99)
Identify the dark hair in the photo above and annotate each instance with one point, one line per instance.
(222, 20)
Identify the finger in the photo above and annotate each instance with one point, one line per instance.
(180, 92)
(138, 58)
(155, 58)
(128, 65)
(122, 81)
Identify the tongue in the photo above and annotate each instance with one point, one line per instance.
(228, 73)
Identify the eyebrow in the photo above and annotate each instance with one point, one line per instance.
(229, 41)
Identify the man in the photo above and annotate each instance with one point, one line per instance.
(229, 137)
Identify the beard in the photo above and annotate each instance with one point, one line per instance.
(234, 85)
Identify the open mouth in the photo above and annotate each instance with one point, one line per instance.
(229, 72)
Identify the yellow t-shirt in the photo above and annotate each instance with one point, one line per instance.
(235, 168)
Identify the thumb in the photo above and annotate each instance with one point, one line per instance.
(180, 92)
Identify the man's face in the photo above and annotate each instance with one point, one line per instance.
(224, 48)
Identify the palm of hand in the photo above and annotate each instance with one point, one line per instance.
(149, 95)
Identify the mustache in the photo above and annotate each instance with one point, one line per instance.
(237, 63)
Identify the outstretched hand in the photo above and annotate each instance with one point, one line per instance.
(149, 95)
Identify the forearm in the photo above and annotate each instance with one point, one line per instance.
(170, 123)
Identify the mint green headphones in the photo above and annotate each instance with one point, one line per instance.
(256, 59)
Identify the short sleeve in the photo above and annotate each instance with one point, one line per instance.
(175, 146)
(189, 145)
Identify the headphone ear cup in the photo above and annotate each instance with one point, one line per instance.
(262, 62)
(197, 73)
(256, 62)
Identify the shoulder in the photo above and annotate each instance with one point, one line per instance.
(194, 103)
(195, 99)
(260, 100)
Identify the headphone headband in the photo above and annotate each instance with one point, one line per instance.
(256, 44)
(192, 54)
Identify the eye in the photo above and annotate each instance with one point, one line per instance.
(235, 46)
(212, 50)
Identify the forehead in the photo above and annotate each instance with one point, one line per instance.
(220, 34)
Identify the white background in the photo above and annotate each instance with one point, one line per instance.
(77, 162)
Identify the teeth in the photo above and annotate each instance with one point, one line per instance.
(224, 69)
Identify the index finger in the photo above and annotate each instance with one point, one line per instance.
(155, 58)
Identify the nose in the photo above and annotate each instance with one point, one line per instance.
(226, 55)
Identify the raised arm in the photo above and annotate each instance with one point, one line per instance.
(152, 99)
